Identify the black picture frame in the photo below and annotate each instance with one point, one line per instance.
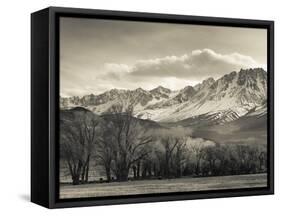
(45, 105)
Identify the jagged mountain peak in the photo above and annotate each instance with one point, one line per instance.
(204, 84)
(187, 88)
(250, 76)
(115, 90)
(233, 93)
(185, 94)
(160, 89)
(229, 77)
(160, 92)
(139, 90)
(252, 71)
(209, 81)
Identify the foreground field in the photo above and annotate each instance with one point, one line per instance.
(163, 186)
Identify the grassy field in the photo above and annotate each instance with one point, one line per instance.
(162, 186)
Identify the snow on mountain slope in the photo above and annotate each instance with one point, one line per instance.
(258, 111)
(238, 92)
(234, 95)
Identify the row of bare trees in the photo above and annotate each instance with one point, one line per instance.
(115, 144)
(123, 143)
(198, 157)
(77, 142)
(125, 148)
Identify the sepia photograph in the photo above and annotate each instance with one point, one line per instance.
(153, 108)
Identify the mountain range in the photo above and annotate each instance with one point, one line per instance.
(228, 98)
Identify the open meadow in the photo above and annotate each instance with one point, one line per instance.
(163, 186)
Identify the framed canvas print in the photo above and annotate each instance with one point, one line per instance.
(138, 107)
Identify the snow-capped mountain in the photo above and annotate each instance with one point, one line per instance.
(102, 103)
(234, 95)
(160, 92)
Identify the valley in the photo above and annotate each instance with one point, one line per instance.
(215, 128)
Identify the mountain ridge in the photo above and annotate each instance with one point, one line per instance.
(229, 97)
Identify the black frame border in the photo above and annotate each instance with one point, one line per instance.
(55, 13)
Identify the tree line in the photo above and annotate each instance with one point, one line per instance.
(127, 149)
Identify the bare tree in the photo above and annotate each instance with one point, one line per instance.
(131, 141)
(262, 161)
(105, 150)
(170, 144)
(90, 133)
(77, 139)
(197, 148)
(180, 157)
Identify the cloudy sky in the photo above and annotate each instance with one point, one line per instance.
(98, 55)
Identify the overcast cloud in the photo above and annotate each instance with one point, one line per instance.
(196, 65)
(98, 55)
